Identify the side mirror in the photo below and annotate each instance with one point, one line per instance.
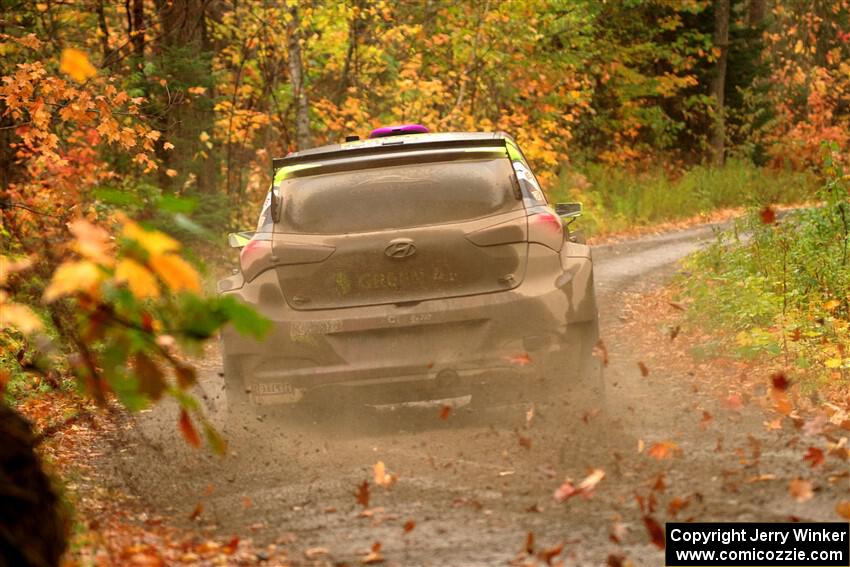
(568, 210)
(239, 239)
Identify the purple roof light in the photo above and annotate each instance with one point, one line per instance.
(384, 131)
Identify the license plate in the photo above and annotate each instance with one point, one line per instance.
(276, 393)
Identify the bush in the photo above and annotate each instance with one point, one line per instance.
(784, 286)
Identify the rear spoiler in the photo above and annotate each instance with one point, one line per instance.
(378, 146)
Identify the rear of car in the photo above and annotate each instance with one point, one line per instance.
(408, 268)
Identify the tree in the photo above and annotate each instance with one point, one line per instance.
(718, 81)
(303, 137)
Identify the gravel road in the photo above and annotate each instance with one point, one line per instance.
(477, 483)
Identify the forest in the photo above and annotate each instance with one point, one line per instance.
(135, 135)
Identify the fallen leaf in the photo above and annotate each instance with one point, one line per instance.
(409, 525)
(315, 552)
(662, 450)
(733, 402)
(676, 305)
(362, 494)
(814, 456)
(197, 511)
(644, 371)
(843, 509)
(601, 351)
(655, 531)
(676, 505)
(618, 532)
(615, 560)
(706, 420)
(800, 490)
(779, 381)
(524, 442)
(584, 488)
(529, 543)
(519, 359)
(445, 412)
(374, 556)
(641, 445)
(674, 332)
(548, 554)
(382, 477)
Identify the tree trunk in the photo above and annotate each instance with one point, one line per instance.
(138, 29)
(104, 30)
(757, 10)
(718, 82)
(303, 137)
(186, 59)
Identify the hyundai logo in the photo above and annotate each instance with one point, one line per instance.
(400, 248)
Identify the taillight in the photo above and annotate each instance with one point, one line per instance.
(255, 257)
(546, 228)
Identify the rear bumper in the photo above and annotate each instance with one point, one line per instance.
(431, 349)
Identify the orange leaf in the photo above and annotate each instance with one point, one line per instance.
(843, 509)
(409, 525)
(362, 494)
(655, 531)
(662, 450)
(190, 434)
(644, 371)
(445, 412)
(814, 456)
(141, 282)
(76, 63)
(382, 477)
(800, 490)
(176, 272)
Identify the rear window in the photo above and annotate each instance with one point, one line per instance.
(398, 196)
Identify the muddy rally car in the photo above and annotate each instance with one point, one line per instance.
(412, 266)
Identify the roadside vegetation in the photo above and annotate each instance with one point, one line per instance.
(780, 286)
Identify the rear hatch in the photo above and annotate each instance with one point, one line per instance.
(400, 228)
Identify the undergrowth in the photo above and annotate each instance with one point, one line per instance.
(782, 286)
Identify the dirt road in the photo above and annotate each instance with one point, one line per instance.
(477, 483)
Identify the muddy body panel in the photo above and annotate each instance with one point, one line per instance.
(429, 349)
(408, 272)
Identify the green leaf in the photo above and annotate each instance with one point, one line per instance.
(244, 318)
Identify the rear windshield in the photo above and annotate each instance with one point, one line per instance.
(398, 196)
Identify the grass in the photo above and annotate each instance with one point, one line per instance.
(616, 199)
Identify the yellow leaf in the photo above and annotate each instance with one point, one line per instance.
(155, 242)
(831, 304)
(171, 172)
(142, 283)
(168, 146)
(176, 272)
(833, 363)
(72, 277)
(76, 64)
(92, 241)
(382, 478)
(20, 317)
(204, 136)
(798, 47)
